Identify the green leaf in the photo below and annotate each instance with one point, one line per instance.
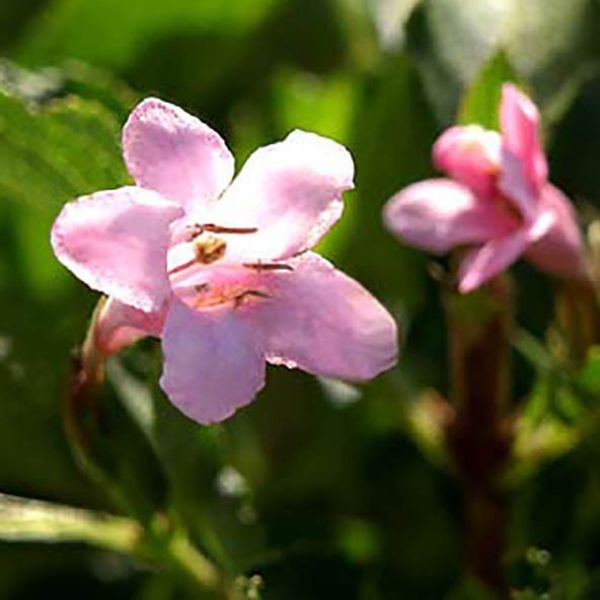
(589, 377)
(551, 44)
(124, 28)
(323, 105)
(393, 132)
(52, 149)
(451, 42)
(193, 458)
(49, 155)
(482, 98)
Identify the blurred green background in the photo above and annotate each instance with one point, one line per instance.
(325, 490)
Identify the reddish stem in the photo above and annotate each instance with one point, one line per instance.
(478, 437)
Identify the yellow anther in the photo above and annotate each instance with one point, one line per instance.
(209, 248)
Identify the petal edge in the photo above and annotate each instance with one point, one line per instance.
(175, 154)
(116, 242)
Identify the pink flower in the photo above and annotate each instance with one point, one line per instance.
(498, 202)
(220, 270)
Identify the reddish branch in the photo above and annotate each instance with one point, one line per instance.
(478, 437)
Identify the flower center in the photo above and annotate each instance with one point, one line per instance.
(201, 283)
(508, 208)
(208, 248)
(207, 295)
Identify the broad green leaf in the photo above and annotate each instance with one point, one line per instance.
(52, 148)
(553, 46)
(390, 17)
(451, 42)
(121, 30)
(392, 134)
(480, 103)
(50, 155)
(549, 42)
(325, 106)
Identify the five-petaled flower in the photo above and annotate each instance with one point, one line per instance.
(498, 202)
(222, 271)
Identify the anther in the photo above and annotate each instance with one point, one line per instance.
(239, 299)
(233, 230)
(209, 248)
(260, 266)
(194, 231)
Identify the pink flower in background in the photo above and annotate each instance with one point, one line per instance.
(498, 202)
(220, 270)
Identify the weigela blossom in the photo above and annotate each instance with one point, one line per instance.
(497, 203)
(222, 270)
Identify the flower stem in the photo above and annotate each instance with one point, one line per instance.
(26, 520)
(81, 415)
(160, 543)
(22, 519)
(194, 565)
(478, 436)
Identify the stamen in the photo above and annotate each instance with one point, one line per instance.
(218, 229)
(182, 267)
(195, 231)
(239, 299)
(300, 253)
(260, 266)
(207, 249)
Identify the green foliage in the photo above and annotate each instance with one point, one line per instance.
(481, 101)
(550, 43)
(52, 149)
(63, 28)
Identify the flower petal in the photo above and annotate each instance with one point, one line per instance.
(481, 264)
(560, 250)
(175, 154)
(324, 322)
(119, 325)
(524, 168)
(290, 191)
(471, 156)
(214, 361)
(439, 214)
(116, 242)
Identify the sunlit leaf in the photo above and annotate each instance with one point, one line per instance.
(552, 45)
(482, 99)
(549, 42)
(47, 157)
(63, 29)
(451, 42)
